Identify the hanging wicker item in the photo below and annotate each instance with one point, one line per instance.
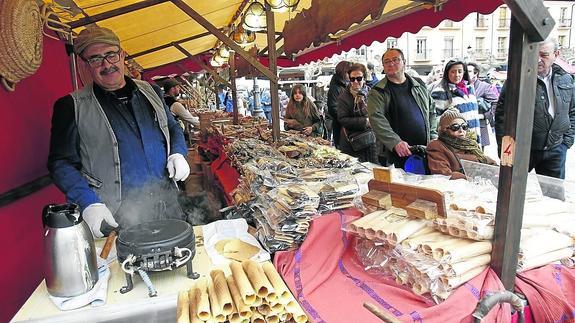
(20, 41)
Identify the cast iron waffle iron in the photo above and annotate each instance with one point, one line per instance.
(155, 246)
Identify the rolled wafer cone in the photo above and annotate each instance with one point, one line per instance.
(258, 280)
(467, 251)
(183, 309)
(440, 251)
(453, 282)
(272, 318)
(281, 290)
(222, 291)
(193, 297)
(243, 283)
(265, 309)
(298, 314)
(458, 268)
(277, 308)
(257, 302)
(257, 318)
(405, 230)
(215, 306)
(203, 309)
(442, 241)
(413, 243)
(243, 310)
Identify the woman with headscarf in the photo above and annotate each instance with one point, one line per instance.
(455, 91)
(336, 86)
(352, 114)
(444, 154)
(302, 114)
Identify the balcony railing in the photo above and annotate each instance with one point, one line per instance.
(502, 52)
(423, 56)
(504, 23)
(565, 23)
(481, 53)
(481, 23)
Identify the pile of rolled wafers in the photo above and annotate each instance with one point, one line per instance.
(417, 255)
(252, 293)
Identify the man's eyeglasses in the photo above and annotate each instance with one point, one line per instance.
(98, 60)
(355, 78)
(456, 127)
(394, 60)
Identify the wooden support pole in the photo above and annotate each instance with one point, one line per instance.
(533, 17)
(225, 39)
(273, 64)
(232, 65)
(515, 151)
(203, 65)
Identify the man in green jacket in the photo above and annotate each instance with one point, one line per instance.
(401, 110)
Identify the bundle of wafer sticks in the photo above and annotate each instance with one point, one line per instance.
(252, 293)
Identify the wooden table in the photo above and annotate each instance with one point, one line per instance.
(167, 283)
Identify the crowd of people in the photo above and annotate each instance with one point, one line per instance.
(449, 117)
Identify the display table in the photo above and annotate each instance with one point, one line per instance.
(136, 303)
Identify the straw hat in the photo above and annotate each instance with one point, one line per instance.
(20, 40)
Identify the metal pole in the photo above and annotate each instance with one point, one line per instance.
(257, 111)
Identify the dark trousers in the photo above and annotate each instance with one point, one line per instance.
(549, 162)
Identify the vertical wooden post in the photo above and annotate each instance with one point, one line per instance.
(515, 151)
(273, 66)
(232, 64)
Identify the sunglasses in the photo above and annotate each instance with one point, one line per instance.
(355, 78)
(456, 127)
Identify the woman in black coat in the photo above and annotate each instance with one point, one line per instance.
(336, 86)
(352, 114)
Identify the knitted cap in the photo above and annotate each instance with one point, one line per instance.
(447, 118)
(93, 35)
(170, 83)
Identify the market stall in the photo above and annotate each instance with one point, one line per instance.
(108, 16)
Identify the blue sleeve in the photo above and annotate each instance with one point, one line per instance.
(64, 162)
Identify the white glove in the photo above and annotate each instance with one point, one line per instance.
(94, 214)
(178, 167)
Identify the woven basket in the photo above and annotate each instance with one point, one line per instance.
(20, 40)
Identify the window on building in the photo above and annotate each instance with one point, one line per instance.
(448, 23)
(480, 45)
(421, 50)
(448, 47)
(503, 17)
(480, 21)
(501, 46)
(561, 41)
(362, 50)
(391, 43)
(563, 18)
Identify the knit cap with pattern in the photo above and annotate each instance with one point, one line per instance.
(447, 118)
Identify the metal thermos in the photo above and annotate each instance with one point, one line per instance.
(71, 268)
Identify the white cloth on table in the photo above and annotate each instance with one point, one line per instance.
(95, 297)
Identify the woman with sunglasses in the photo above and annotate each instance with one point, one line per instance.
(302, 114)
(455, 91)
(444, 154)
(352, 114)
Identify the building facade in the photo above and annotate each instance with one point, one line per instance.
(480, 38)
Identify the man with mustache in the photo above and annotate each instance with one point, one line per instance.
(554, 115)
(115, 148)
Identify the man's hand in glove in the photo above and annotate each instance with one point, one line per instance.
(178, 167)
(94, 214)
